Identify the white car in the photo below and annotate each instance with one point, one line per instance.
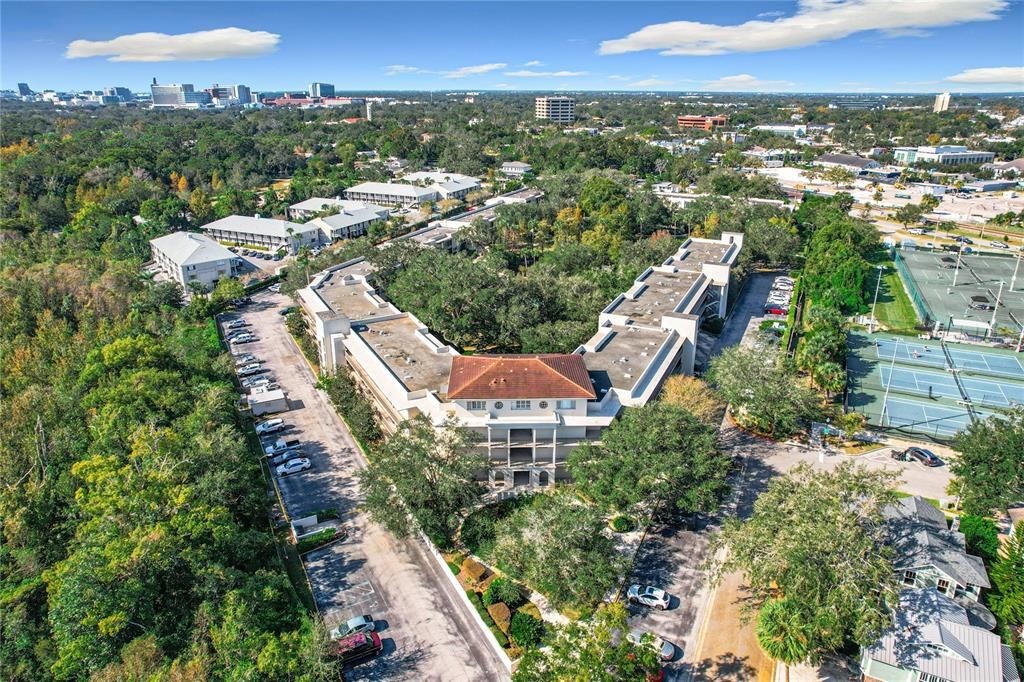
(235, 324)
(257, 382)
(244, 359)
(666, 650)
(648, 596)
(915, 230)
(274, 288)
(293, 466)
(242, 338)
(999, 245)
(269, 426)
(249, 370)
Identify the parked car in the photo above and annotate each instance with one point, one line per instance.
(289, 310)
(242, 338)
(648, 596)
(269, 426)
(282, 444)
(258, 382)
(293, 466)
(666, 650)
(354, 626)
(981, 303)
(775, 310)
(244, 359)
(235, 324)
(275, 288)
(250, 370)
(294, 453)
(916, 454)
(357, 647)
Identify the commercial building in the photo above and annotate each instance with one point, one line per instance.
(189, 258)
(857, 164)
(515, 169)
(121, 94)
(555, 109)
(856, 103)
(703, 122)
(178, 96)
(941, 103)
(948, 155)
(268, 234)
(529, 411)
(784, 129)
(230, 94)
(321, 90)
(24, 90)
(314, 205)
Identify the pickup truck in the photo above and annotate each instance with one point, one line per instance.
(281, 445)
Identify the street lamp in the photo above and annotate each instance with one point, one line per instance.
(878, 284)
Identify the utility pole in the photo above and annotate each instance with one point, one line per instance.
(878, 284)
(995, 309)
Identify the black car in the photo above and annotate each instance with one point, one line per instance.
(981, 303)
(925, 457)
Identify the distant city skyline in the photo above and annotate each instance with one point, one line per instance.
(851, 46)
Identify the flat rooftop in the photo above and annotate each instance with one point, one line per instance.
(661, 294)
(623, 357)
(348, 297)
(406, 353)
(703, 252)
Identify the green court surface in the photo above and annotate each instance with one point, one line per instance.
(934, 389)
(945, 293)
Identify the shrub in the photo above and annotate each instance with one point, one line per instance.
(525, 629)
(474, 598)
(455, 568)
(623, 523)
(504, 590)
(498, 635)
(315, 540)
(981, 536)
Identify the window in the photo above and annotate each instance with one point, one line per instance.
(567, 404)
(925, 677)
(943, 585)
(520, 404)
(476, 405)
(908, 577)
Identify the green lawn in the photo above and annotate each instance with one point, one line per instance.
(894, 310)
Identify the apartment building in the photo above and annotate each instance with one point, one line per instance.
(189, 259)
(702, 122)
(268, 234)
(447, 185)
(392, 194)
(947, 155)
(348, 223)
(320, 90)
(529, 411)
(178, 96)
(941, 103)
(315, 205)
(555, 109)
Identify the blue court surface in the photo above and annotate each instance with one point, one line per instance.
(923, 418)
(932, 356)
(943, 385)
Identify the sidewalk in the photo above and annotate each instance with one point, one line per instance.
(727, 648)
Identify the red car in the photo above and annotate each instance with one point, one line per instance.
(358, 647)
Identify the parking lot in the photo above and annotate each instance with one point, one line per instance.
(425, 631)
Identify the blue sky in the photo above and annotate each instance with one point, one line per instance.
(806, 46)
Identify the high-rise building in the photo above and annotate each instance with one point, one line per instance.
(24, 90)
(240, 94)
(556, 108)
(122, 94)
(321, 90)
(941, 103)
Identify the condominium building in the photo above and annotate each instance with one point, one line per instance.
(949, 154)
(941, 103)
(189, 259)
(529, 411)
(703, 122)
(230, 94)
(348, 223)
(263, 233)
(314, 205)
(392, 194)
(178, 96)
(321, 90)
(555, 108)
(448, 185)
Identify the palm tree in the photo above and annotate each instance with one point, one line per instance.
(783, 632)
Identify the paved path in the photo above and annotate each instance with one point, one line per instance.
(426, 631)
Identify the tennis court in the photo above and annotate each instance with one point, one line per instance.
(961, 293)
(929, 388)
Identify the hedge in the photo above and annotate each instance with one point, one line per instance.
(321, 537)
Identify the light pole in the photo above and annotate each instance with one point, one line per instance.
(959, 254)
(1013, 280)
(878, 284)
(885, 398)
(995, 309)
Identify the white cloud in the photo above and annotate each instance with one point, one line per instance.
(527, 73)
(617, 77)
(534, 62)
(815, 21)
(744, 82)
(1013, 75)
(221, 43)
(398, 69)
(649, 83)
(476, 70)
(770, 15)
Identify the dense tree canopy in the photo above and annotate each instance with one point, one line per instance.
(989, 466)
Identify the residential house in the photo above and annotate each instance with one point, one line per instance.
(515, 169)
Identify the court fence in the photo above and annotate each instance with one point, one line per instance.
(916, 297)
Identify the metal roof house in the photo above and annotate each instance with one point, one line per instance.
(188, 257)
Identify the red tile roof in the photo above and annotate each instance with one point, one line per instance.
(482, 377)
